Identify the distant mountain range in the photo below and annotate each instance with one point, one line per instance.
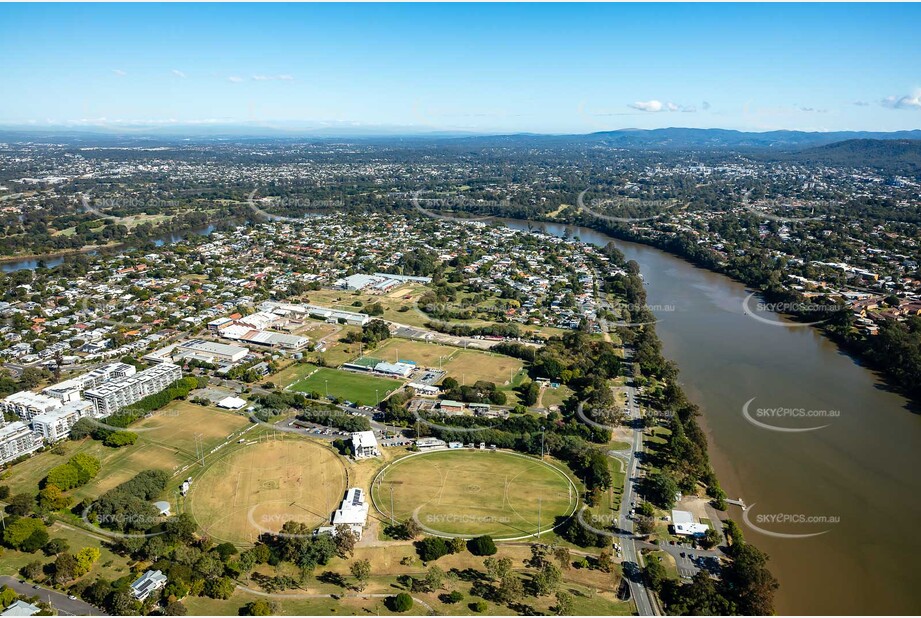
(703, 139)
(659, 139)
(895, 152)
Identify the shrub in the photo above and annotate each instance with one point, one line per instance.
(479, 607)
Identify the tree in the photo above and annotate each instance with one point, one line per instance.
(20, 505)
(26, 534)
(412, 527)
(361, 571)
(432, 548)
(7, 596)
(563, 557)
(654, 573)
(65, 568)
(175, 608)
(86, 558)
(605, 562)
(51, 498)
(482, 546)
(748, 582)
(434, 579)
(400, 603)
(455, 596)
(710, 539)
(510, 589)
(497, 568)
(220, 588)
(32, 570)
(661, 490)
(345, 541)
(117, 439)
(56, 546)
(479, 606)
(564, 604)
(547, 579)
(259, 608)
(457, 544)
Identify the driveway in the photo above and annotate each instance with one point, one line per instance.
(64, 605)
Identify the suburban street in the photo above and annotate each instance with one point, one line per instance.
(64, 605)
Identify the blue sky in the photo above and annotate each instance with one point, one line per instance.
(480, 67)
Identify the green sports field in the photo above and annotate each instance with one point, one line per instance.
(358, 388)
(471, 492)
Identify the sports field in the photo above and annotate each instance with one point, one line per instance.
(256, 488)
(468, 366)
(358, 388)
(166, 441)
(471, 492)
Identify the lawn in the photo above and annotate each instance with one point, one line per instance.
(423, 354)
(472, 492)
(290, 374)
(256, 488)
(166, 441)
(468, 366)
(110, 565)
(358, 388)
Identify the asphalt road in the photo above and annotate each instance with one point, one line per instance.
(645, 604)
(64, 605)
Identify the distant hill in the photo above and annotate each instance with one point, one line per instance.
(895, 155)
(694, 139)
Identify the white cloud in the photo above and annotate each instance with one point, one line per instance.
(658, 106)
(235, 79)
(812, 109)
(648, 106)
(861, 103)
(705, 105)
(179, 73)
(269, 78)
(908, 101)
(119, 72)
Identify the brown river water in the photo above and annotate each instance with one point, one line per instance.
(837, 508)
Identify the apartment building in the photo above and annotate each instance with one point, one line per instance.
(55, 425)
(16, 440)
(116, 394)
(27, 404)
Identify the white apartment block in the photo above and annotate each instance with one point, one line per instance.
(72, 389)
(55, 425)
(16, 440)
(28, 404)
(116, 394)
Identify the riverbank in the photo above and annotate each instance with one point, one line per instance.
(861, 457)
(861, 350)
